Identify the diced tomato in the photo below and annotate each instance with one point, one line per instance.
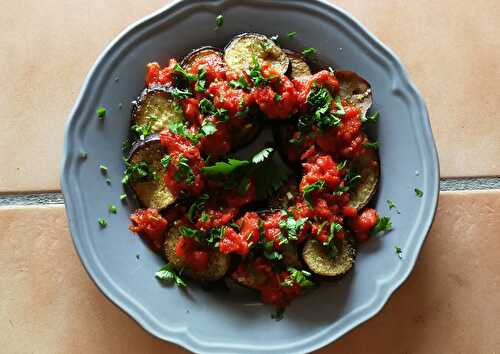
(303, 86)
(150, 224)
(233, 100)
(278, 101)
(249, 226)
(322, 168)
(237, 199)
(215, 217)
(195, 257)
(190, 107)
(365, 221)
(233, 243)
(219, 143)
(214, 66)
(157, 76)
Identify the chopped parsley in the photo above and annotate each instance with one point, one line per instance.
(207, 108)
(292, 227)
(179, 70)
(103, 169)
(419, 193)
(391, 206)
(101, 113)
(167, 273)
(374, 145)
(270, 253)
(300, 277)
(292, 34)
(138, 172)
(112, 208)
(266, 45)
(371, 119)
(123, 197)
(184, 171)
(309, 51)
(108, 181)
(399, 252)
(383, 225)
(341, 165)
(219, 21)
(277, 97)
(201, 81)
(192, 233)
(102, 222)
(180, 94)
(255, 73)
(193, 210)
(241, 83)
(319, 113)
(224, 168)
(262, 155)
(275, 38)
(208, 128)
(83, 155)
(318, 185)
(165, 160)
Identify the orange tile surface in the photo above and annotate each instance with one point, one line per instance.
(450, 304)
(452, 50)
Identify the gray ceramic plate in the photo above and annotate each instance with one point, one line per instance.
(219, 322)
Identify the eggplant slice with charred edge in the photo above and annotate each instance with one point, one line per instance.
(218, 263)
(368, 166)
(241, 51)
(150, 190)
(299, 68)
(155, 109)
(318, 260)
(356, 89)
(197, 54)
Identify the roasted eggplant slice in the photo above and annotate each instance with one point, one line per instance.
(320, 262)
(146, 174)
(244, 135)
(241, 51)
(290, 256)
(218, 263)
(366, 165)
(299, 67)
(356, 89)
(154, 110)
(206, 52)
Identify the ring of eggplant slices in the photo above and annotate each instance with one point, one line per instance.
(277, 222)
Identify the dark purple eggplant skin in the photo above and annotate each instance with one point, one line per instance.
(192, 55)
(292, 54)
(137, 102)
(150, 139)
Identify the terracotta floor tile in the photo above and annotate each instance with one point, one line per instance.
(452, 50)
(450, 304)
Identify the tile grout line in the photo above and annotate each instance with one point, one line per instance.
(446, 184)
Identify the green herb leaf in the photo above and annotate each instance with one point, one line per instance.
(219, 21)
(112, 208)
(192, 233)
(292, 227)
(419, 193)
(300, 277)
(374, 145)
(185, 171)
(292, 34)
(123, 197)
(341, 165)
(224, 168)
(384, 224)
(83, 155)
(391, 206)
(270, 253)
(201, 82)
(318, 185)
(241, 83)
(181, 71)
(108, 181)
(262, 155)
(165, 161)
(180, 94)
(340, 109)
(208, 128)
(309, 51)
(277, 97)
(193, 210)
(371, 119)
(255, 73)
(102, 222)
(167, 273)
(104, 169)
(399, 252)
(138, 172)
(266, 45)
(101, 112)
(275, 38)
